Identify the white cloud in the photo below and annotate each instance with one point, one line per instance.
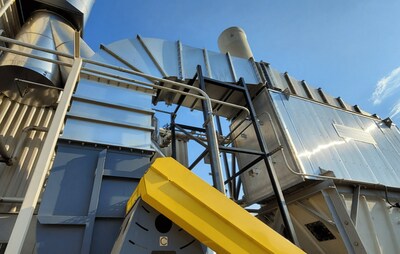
(386, 87)
(395, 109)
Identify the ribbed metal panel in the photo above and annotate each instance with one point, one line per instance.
(9, 22)
(291, 86)
(14, 117)
(352, 146)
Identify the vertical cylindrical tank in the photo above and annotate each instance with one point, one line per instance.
(234, 41)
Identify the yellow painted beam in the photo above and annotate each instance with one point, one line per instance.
(206, 213)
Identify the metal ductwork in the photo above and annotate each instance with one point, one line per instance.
(35, 82)
(75, 11)
(63, 35)
(27, 80)
(234, 41)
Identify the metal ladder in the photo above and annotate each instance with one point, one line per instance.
(264, 153)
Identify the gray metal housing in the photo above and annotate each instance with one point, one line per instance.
(319, 140)
(84, 203)
(147, 231)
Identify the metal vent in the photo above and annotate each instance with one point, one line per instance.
(349, 133)
(320, 231)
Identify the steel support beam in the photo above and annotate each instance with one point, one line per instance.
(343, 221)
(225, 159)
(173, 136)
(22, 223)
(355, 204)
(212, 139)
(94, 203)
(270, 168)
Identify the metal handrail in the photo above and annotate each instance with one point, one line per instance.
(31, 46)
(34, 56)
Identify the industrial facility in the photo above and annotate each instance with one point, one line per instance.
(87, 167)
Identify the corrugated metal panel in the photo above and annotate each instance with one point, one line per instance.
(14, 117)
(9, 22)
(375, 223)
(283, 81)
(137, 56)
(319, 147)
(256, 182)
(167, 55)
(112, 115)
(172, 60)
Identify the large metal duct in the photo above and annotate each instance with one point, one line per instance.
(63, 35)
(234, 41)
(35, 82)
(76, 11)
(27, 80)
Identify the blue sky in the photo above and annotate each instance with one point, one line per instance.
(349, 48)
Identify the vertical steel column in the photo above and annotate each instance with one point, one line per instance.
(21, 226)
(343, 222)
(94, 203)
(173, 136)
(270, 169)
(225, 159)
(212, 141)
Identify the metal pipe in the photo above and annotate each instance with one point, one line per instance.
(22, 223)
(212, 138)
(173, 136)
(34, 56)
(101, 74)
(225, 159)
(206, 97)
(22, 138)
(201, 156)
(18, 80)
(27, 45)
(200, 142)
(13, 200)
(5, 7)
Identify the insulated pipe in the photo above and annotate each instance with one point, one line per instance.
(234, 41)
